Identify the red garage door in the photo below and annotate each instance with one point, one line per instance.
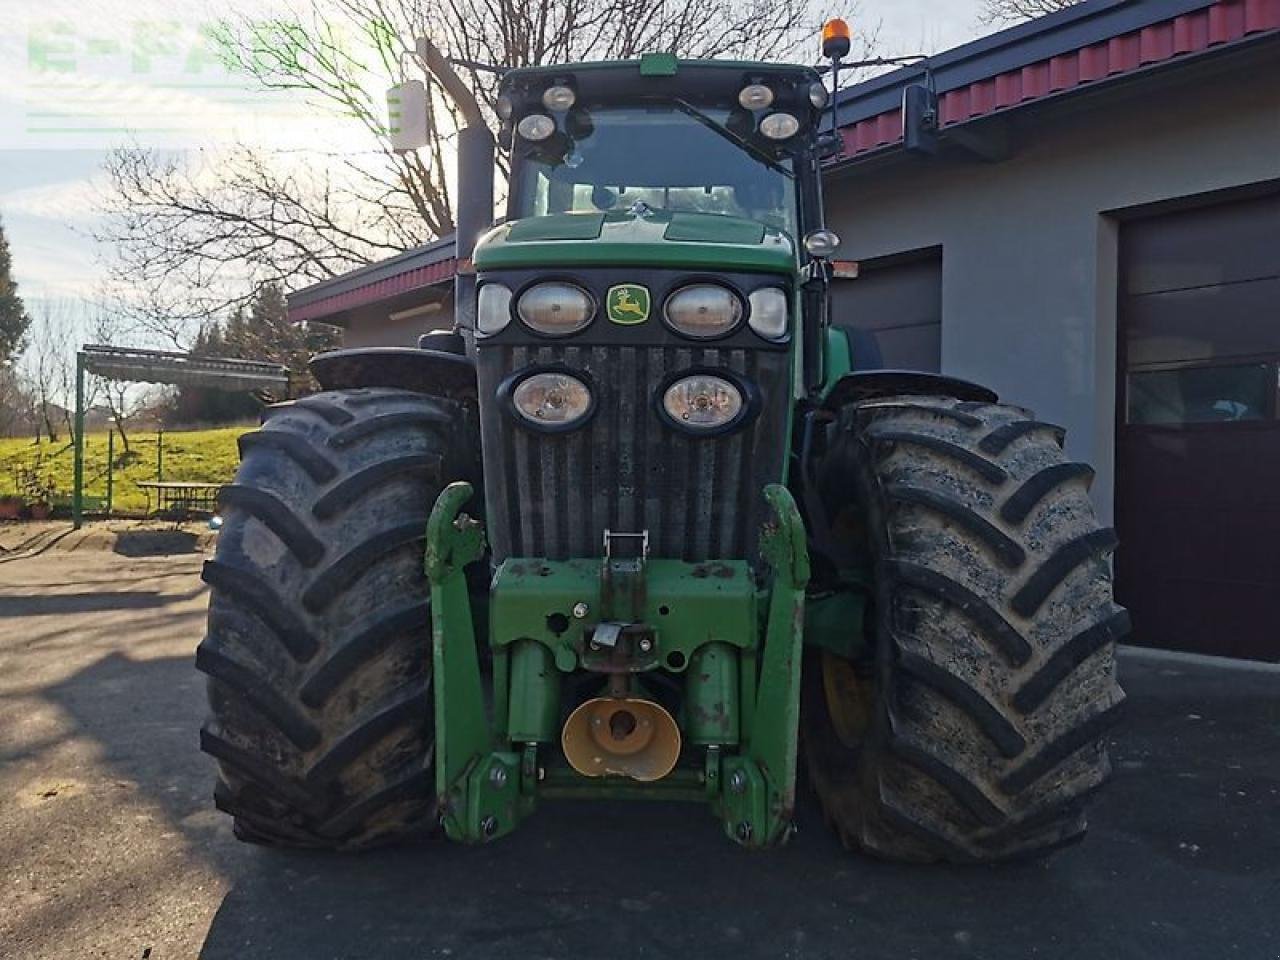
(1198, 442)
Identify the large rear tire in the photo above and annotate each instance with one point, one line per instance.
(319, 638)
(973, 729)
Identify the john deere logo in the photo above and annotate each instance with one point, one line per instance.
(628, 303)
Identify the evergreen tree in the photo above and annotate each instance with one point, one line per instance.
(262, 333)
(13, 315)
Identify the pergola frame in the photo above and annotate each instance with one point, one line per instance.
(162, 366)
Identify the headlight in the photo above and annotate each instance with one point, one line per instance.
(553, 401)
(536, 126)
(768, 313)
(493, 312)
(555, 309)
(558, 98)
(755, 96)
(703, 311)
(703, 403)
(818, 95)
(777, 126)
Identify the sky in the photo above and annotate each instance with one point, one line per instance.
(78, 78)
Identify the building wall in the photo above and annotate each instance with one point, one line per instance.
(1029, 245)
(374, 327)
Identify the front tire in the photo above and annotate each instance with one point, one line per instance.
(319, 638)
(973, 730)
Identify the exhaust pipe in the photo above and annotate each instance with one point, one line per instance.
(621, 737)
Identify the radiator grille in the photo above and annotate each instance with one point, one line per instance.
(553, 495)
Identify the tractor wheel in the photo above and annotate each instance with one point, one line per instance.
(973, 728)
(318, 647)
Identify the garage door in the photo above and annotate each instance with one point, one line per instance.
(1198, 438)
(894, 308)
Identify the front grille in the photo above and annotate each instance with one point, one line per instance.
(553, 495)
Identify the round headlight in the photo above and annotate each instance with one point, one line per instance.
(821, 243)
(551, 400)
(555, 309)
(493, 312)
(703, 402)
(818, 95)
(558, 98)
(768, 313)
(504, 107)
(755, 96)
(703, 311)
(536, 126)
(779, 126)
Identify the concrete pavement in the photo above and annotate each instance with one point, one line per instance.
(111, 848)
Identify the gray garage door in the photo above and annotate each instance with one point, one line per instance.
(897, 302)
(1198, 439)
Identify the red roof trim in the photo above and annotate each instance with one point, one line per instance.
(406, 282)
(1224, 22)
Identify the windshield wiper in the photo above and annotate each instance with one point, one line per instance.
(751, 148)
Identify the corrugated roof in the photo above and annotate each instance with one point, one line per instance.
(1157, 32)
(412, 270)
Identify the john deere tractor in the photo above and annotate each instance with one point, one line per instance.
(645, 527)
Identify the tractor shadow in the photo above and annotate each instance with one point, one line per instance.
(606, 880)
(609, 880)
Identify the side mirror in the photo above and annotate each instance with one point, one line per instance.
(919, 120)
(407, 124)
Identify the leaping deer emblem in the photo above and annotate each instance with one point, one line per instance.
(625, 308)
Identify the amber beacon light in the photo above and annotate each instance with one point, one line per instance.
(835, 39)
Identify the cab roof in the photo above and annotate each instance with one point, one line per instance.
(660, 65)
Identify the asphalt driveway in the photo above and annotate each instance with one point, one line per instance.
(110, 846)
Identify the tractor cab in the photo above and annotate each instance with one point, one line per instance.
(720, 150)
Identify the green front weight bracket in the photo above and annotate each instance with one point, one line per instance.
(478, 791)
(758, 785)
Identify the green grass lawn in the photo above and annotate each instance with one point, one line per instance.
(203, 455)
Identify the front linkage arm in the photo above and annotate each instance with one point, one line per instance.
(477, 789)
(759, 784)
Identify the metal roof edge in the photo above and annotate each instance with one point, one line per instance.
(1079, 26)
(423, 256)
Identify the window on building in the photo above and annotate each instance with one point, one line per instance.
(1202, 394)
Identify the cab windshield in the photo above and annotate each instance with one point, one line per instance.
(673, 157)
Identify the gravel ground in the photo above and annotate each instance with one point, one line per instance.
(111, 848)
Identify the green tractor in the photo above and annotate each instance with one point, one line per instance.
(642, 527)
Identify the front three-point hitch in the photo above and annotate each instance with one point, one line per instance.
(680, 680)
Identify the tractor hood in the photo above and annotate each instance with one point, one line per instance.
(651, 238)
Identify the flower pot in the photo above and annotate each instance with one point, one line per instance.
(10, 508)
(39, 511)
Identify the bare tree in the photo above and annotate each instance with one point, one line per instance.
(48, 368)
(124, 399)
(198, 239)
(16, 408)
(1016, 11)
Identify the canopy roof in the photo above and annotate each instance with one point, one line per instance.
(163, 366)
